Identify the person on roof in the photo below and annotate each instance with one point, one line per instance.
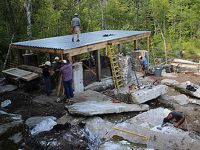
(174, 117)
(67, 73)
(76, 24)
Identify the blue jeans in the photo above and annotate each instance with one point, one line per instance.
(68, 89)
(47, 83)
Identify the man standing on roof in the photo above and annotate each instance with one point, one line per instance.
(76, 24)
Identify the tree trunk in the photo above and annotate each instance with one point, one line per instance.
(11, 17)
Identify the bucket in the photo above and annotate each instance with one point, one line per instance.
(158, 71)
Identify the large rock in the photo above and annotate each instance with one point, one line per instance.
(169, 82)
(40, 124)
(146, 124)
(91, 108)
(10, 124)
(100, 86)
(181, 99)
(146, 94)
(7, 88)
(33, 121)
(194, 101)
(98, 128)
(89, 95)
(69, 119)
(115, 146)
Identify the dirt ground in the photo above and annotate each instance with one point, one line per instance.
(24, 104)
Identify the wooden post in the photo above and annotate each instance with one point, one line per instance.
(148, 42)
(120, 48)
(98, 65)
(135, 44)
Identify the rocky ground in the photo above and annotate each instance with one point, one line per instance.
(71, 132)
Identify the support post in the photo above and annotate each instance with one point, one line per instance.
(120, 48)
(98, 65)
(148, 42)
(135, 44)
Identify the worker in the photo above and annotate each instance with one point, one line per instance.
(67, 73)
(174, 117)
(144, 64)
(56, 67)
(46, 72)
(76, 24)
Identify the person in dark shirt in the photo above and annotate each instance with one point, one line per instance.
(176, 118)
(144, 64)
(46, 75)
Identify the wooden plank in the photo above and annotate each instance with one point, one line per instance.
(30, 77)
(21, 74)
(98, 65)
(40, 49)
(89, 69)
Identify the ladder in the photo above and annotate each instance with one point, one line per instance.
(116, 71)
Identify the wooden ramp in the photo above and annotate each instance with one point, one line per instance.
(21, 74)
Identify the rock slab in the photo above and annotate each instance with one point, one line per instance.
(181, 99)
(91, 108)
(146, 94)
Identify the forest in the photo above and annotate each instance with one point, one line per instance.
(175, 24)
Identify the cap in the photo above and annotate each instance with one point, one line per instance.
(48, 63)
(166, 112)
(56, 58)
(140, 57)
(75, 14)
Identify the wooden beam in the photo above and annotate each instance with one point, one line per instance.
(40, 49)
(89, 69)
(135, 44)
(98, 65)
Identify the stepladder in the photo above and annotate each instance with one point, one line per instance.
(117, 76)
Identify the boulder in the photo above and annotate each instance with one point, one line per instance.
(146, 124)
(33, 121)
(69, 119)
(91, 108)
(146, 94)
(181, 99)
(10, 124)
(98, 127)
(169, 82)
(89, 95)
(100, 86)
(40, 124)
(110, 145)
(7, 88)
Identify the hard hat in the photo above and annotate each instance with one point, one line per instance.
(140, 57)
(188, 83)
(166, 112)
(48, 63)
(75, 14)
(56, 58)
(64, 61)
